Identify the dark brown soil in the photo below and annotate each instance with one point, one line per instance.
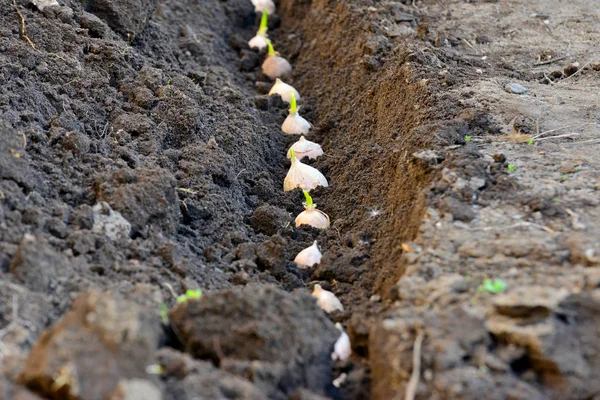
(140, 157)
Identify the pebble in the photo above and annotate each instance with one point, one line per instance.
(516, 88)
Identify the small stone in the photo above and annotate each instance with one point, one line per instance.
(375, 298)
(571, 69)
(516, 88)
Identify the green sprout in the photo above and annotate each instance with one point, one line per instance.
(155, 369)
(512, 167)
(309, 200)
(262, 29)
(271, 50)
(293, 107)
(292, 154)
(169, 81)
(189, 295)
(467, 138)
(164, 315)
(564, 177)
(496, 286)
(530, 141)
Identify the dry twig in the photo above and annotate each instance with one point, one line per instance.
(23, 28)
(413, 383)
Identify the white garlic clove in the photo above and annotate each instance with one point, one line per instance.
(341, 349)
(276, 66)
(261, 5)
(313, 217)
(308, 257)
(327, 300)
(303, 176)
(306, 148)
(294, 124)
(284, 90)
(258, 42)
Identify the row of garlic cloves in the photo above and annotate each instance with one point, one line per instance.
(300, 175)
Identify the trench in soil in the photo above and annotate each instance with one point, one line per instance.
(361, 95)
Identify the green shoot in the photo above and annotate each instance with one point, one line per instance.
(530, 141)
(512, 167)
(496, 286)
(309, 200)
(293, 107)
(189, 295)
(271, 50)
(155, 369)
(467, 138)
(292, 154)
(262, 29)
(164, 315)
(169, 81)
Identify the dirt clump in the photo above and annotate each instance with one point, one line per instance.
(284, 341)
(102, 340)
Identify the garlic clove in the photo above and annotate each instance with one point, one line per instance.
(327, 300)
(341, 349)
(303, 176)
(306, 148)
(262, 5)
(284, 90)
(258, 42)
(294, 124)
(308, 257)
(313, 217)
(276, 66)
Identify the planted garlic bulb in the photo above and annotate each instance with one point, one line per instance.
(260, 40)
(308, 257)
(274, 65)
(264, 5)
(311, 216)
(341, 349)
(302, 176)
(306, 148)
(294, 124)
(327, 300)
(284, 90)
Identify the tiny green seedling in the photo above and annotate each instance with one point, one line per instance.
(467, 138)
(262, 29)
(530, 141)
(293, 106)
(164, 314)
(155, 369)
(309, 201)
(169, 81)
(189, 295)
(496, 286)
(270, 48)
(512, 167)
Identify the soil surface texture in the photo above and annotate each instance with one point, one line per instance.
(142, 158)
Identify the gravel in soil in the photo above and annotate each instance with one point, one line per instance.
(140, 158)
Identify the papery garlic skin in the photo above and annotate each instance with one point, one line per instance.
(261, 5)
(309, 256)
(303, 176)
(258, 42)
(284, 90)
(327, 300)
(306, 148)
(276, 66)
(341, 349)
(294, 124)
(313, 217)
